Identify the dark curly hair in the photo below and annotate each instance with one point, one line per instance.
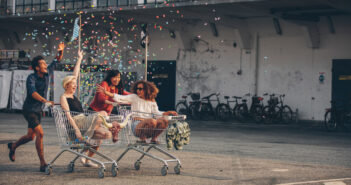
(111, 74)
(35, 61)
(150, 89)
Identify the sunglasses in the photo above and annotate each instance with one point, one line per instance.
(139, 89)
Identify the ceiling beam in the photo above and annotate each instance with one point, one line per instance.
(344, 5)
(240, 25)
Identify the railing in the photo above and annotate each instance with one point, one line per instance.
(33, 6)
(9, 54)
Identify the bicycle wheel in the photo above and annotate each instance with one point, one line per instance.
(242, 113)
(330, 121)
(286, 114)
(223, 112)
(271, 114)
(182, 108)
(235, 112)
(206, 112)
(257, 113)
(194, 111)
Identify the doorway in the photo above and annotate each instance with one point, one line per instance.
(163, 74)
(341, 82)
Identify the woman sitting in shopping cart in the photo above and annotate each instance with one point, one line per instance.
(113, 84)
(143, 101)
(71, 105)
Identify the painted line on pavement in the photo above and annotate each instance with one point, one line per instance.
(335, 183)
(321, 181)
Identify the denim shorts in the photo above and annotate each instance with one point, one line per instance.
(33, 118)
(134, 124)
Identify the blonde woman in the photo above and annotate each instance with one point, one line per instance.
(92, 124)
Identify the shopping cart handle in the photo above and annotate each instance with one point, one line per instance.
(109, 125)
(179, 117)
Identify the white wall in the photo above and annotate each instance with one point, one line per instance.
(286, 63)
(288, 66)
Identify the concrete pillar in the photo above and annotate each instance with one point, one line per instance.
(11, 4)
(51, 5)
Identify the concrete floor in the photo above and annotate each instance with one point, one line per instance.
(219, 153)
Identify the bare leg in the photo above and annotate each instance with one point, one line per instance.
(23, 140)
(39, 144)
(160, 127)
(102, 133)
(145, 128)
(99, 133)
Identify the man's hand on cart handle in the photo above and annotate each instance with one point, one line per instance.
(49, 103)
(115, 104)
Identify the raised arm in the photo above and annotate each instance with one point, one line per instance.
(102, 89)
(77, 66)
(117, 97)
(58, 57)
(126, 92)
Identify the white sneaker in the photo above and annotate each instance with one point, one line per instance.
(90, 163)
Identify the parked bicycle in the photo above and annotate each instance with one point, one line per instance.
(255, 112)
(338, 116)
(224, 112)
(271, 112)
(286, 113)
(207, 110)
(195, 106)
(182, 106)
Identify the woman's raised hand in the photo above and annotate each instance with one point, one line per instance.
(80, 55)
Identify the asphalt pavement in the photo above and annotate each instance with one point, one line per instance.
(219, 153)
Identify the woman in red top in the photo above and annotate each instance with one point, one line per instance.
(113, 84)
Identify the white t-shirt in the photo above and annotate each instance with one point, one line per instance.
(138, 104)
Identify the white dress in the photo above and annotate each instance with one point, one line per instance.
(138, 104)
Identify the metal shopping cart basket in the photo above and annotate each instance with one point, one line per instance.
(69, 142)
(143, 139)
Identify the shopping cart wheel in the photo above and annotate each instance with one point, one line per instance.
(114, 170)
(102, 173)
(164, 170)
(137, 165)
(70, 167)
(177, 169)
(48, 170)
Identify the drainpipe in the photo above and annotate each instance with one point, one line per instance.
(13, 7)
(256, 63)
(52, 5)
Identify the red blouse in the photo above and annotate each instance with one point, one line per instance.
(98, 103)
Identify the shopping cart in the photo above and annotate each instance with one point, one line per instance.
(70, 143)
(143, 140)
